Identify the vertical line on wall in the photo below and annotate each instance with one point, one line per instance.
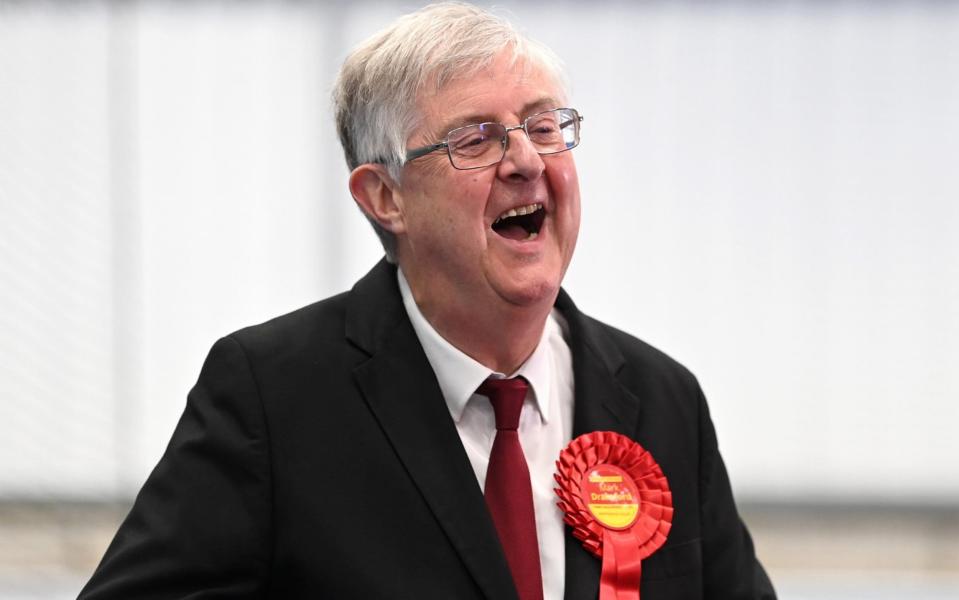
(127, 250)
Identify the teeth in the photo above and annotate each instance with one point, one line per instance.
(520, 210)
(532, 236)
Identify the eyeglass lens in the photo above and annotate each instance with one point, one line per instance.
(485, 144)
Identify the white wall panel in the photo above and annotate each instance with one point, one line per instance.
(768, 196)
(780, 216)
(57, 427)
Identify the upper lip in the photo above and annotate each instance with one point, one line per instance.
(521, 204)
(522, 209)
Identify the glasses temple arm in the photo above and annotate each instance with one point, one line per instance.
(418, 152)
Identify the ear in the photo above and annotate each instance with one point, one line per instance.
(373, 189)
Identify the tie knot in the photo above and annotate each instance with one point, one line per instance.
(506, 396)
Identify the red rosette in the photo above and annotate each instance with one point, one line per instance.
(617, 500)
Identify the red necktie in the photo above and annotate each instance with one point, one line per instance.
(508, 492)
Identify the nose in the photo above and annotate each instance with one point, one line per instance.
(521, 161)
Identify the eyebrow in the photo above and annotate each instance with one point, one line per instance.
(530, 108)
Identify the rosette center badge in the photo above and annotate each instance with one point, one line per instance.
(611, 497)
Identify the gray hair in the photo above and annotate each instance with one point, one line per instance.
(375, 92)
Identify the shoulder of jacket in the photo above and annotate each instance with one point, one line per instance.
(319, 322)
(643, 359)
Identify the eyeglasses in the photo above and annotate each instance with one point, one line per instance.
(485, 144)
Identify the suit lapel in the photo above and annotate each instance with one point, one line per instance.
(601, 404)
(401, 390)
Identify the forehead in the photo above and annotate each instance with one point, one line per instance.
(504, 91)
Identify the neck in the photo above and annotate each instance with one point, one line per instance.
(500, 336)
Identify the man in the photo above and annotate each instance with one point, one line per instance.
(358, 448)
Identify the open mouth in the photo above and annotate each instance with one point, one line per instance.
(520, 223)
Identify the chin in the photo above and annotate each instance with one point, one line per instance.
(531, 292)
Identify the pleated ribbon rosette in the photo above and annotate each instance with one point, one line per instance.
(617, 500)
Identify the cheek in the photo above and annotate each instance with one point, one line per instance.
(565, 187)
(447, 204)
(471, 195)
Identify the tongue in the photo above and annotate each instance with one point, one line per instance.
(512, 232)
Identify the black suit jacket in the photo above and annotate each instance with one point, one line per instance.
(316, 458)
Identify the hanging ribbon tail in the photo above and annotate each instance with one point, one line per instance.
(622, 567)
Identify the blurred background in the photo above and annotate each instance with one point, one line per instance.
(770, 195)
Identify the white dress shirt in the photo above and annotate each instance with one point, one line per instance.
(545, 426)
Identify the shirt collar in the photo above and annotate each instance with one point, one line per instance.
(459, 375)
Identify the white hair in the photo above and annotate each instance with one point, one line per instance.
(375, 93)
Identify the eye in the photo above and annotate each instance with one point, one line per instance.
(476, 140)
(472, 144)
(473, 140)
(543, 130)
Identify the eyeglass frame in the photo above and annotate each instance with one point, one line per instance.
(424, 150)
